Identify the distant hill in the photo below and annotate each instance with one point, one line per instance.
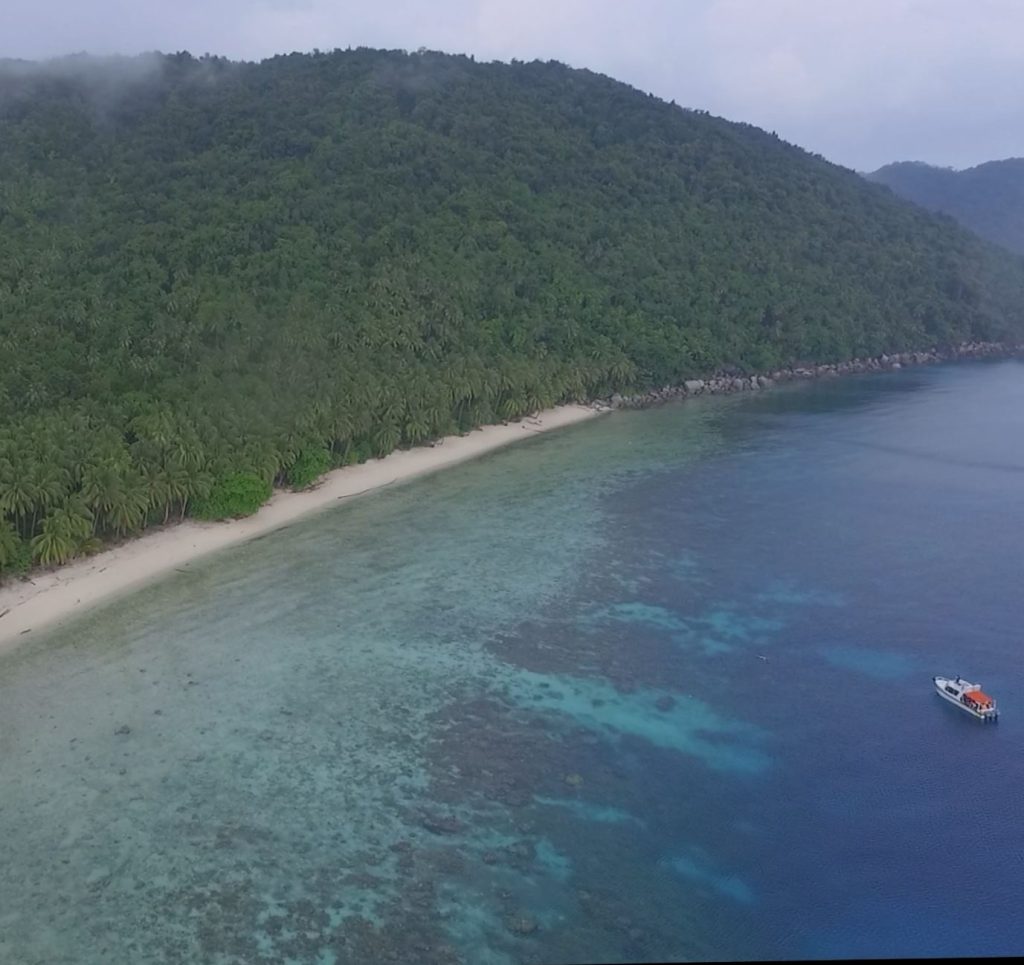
(988, 199)
(215, 275)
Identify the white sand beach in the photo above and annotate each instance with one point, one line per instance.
(51, 598)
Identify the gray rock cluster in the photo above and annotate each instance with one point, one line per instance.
(722, 383)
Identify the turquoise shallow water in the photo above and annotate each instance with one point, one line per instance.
(653, 687)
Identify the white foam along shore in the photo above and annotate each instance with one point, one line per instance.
(51, 598)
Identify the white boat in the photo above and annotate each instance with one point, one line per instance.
(967, 696)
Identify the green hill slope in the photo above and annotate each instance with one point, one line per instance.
(988, 199)
(216, 275)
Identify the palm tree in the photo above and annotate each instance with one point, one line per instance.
(172, 483)
(391, 407)
(417, 427)
(513, 404)
(185, 447)
(622, 372)
(100, 488)
(10, 546)
(340, 432)
(17, 498)
(51, 546)
(156, 425)
(158, 489)
(194, 484)
(63, 531)
(74, 520)
(115, 495)
(534, 398)
(50, 485)
(262, 458)
(126, 508)
(385, 437)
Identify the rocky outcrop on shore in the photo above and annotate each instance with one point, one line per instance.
(725, 382)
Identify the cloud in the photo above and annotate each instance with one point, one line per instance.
(862, 83)
(884, 79)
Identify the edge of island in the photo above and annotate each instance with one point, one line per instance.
(47, 599)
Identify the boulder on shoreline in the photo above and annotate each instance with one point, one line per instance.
(728, 379)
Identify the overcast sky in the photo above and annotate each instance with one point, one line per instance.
(862, 82)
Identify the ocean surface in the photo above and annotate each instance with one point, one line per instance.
(654, 687)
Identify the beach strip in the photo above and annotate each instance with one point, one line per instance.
(51, 598)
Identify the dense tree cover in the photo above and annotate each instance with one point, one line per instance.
(217, 276)
(988, 199)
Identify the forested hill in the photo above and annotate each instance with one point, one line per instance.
(218, 275)
(988, 199)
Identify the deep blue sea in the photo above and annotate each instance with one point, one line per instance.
(655, 687)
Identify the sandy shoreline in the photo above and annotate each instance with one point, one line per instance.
(50, 599)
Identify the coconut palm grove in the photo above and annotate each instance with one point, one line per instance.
(218, 277)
